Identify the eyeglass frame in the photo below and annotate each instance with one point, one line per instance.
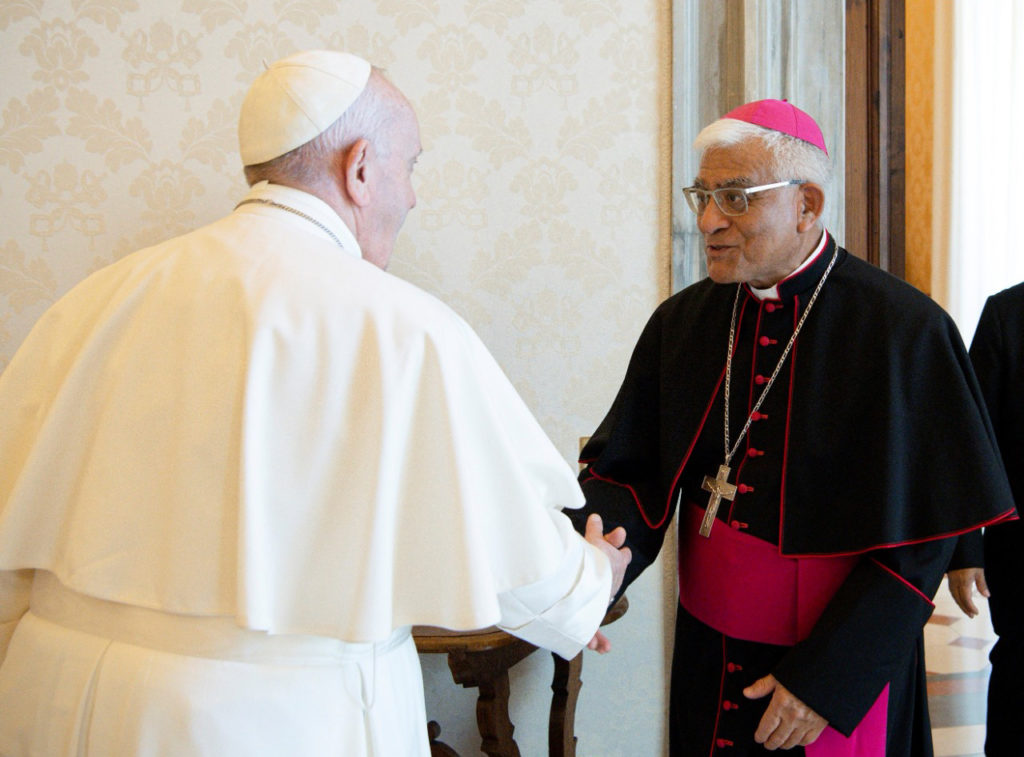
(688, 193)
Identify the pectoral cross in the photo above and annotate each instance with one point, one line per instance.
(720, 488)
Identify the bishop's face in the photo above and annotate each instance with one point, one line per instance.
(763, 245)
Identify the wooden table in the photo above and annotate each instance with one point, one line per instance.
(481, 659)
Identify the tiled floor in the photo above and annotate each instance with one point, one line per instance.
(956, 653)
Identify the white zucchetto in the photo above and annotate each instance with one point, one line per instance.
(295, 100)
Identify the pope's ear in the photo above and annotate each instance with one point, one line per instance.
(355, 165)
(812, 203)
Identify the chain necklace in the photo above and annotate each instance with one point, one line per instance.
(719, 486)
(290, 209)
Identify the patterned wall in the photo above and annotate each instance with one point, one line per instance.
(542, 216)
(538, 215)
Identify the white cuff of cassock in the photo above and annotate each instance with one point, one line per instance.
(562, 611)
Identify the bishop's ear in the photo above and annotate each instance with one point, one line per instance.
(355, 171)
(812, 204)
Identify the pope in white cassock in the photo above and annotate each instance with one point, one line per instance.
(237, 467)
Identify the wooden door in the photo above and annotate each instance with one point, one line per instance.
(875, 165)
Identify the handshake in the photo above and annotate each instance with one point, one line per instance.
(618, 556)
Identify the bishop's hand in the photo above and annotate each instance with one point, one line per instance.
(611, 544)
(962, 584)
(787, 722)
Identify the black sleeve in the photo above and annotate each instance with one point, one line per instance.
(997, 354)
(866, 636)
(987, 354)
(621, 477)
(969, 552)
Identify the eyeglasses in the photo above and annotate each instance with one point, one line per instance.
(732, 201)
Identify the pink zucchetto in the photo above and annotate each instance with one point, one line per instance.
(295, 100)
(779, 115)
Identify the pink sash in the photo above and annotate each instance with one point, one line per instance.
(741, 586)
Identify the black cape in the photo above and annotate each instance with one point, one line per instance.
(886, 441)
(997, 353)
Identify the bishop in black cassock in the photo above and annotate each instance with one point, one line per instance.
(997, 354)
(801, 611)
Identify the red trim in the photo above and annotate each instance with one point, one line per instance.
(789, 415)
(689, 451)
(1009, 515)
(739, 472)
(753, 366)
(753, 354)
(632, 491)
(686, 455)
(809, 261)
(721, 690)
(902, 580)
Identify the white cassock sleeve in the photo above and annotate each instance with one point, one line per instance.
(514, 494)
(557, 613)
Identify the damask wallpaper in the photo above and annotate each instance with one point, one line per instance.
(542, 215)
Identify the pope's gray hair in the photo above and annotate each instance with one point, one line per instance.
(368, 117)
(790, 158)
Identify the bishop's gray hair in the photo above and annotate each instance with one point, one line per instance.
(368, 117)
(791, 158)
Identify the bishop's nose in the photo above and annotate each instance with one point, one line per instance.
(712, 219)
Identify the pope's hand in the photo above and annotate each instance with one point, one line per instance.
(600, 643)
(787, 722)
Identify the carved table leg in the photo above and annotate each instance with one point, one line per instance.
(566, 685)
(488, 672)
(492, 717)
(438, 748)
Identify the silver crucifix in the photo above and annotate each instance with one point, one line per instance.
(720, 489)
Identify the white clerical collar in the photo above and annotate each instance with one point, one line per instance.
(318, 213)
(772, 292)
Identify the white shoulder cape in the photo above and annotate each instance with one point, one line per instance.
(249, 421)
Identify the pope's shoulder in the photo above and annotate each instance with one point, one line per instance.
(207, 268)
